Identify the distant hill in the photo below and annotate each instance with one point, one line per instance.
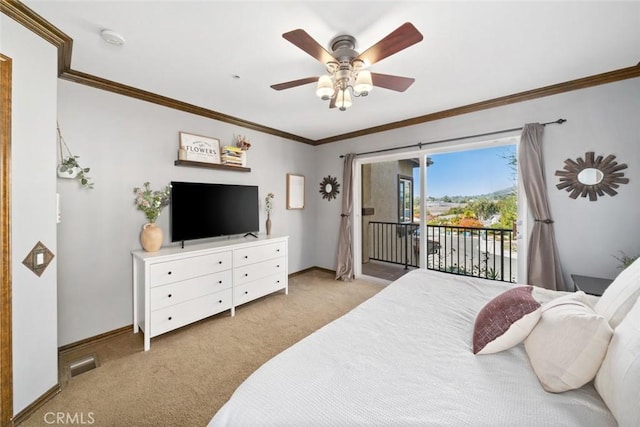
(500, 194)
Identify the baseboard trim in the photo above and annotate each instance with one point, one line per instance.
(315, 268)
(125, 329)
(95, 339)
(78, 345)
(33, 407)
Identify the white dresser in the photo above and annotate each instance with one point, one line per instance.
(177, 286)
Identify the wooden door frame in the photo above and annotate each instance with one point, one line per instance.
(6, 353)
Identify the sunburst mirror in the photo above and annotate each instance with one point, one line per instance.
(329, 187)
(593, 176)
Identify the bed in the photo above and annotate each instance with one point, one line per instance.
(404, 357)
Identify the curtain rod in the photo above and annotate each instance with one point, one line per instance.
(420, 144)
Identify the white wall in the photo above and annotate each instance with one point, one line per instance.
(33, 187)
(603, 119)
(126, 142)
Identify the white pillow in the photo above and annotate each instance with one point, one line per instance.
(618, 380)
(618, 298)
(567, 346)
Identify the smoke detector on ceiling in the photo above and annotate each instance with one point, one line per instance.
(112, 37)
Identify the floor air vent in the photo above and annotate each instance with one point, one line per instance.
(82, 365)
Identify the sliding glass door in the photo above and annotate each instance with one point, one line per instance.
(452, 209)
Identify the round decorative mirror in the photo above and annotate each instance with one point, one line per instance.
(329, 187)
(590, 176)
(593, 176)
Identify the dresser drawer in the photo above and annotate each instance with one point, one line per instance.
(176, 293)
(178, 315)
(175, 271)
(258, 270)
(256, 289)
(245, 256)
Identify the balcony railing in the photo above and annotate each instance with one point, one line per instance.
(394, 242)
(479, 252)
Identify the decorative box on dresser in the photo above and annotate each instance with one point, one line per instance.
(177, 286)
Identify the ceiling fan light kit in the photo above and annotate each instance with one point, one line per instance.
(346, 74)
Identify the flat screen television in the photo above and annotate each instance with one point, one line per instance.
(200, 210)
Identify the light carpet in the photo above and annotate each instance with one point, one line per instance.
(188, 374)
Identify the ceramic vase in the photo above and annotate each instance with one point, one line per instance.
(268, 225)
(151, 237)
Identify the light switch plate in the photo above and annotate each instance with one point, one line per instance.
(38, 259)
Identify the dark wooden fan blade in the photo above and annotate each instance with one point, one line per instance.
(404, 36)
(305, 42)
(332, 103)
(387, 81)
(294, 83)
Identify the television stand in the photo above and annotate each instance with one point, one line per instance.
(175, 287)
(250, 234)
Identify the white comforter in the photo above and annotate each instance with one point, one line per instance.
(404, 358)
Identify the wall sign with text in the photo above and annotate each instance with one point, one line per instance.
(198, 148)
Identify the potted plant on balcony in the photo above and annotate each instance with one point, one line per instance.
(69, 166)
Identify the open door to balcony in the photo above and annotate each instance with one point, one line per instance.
(411, 217)
(389, 225)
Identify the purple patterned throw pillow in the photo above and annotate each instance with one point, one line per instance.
(505, 321)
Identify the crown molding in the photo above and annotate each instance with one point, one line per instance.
(34, 22)
(582, 83)
(40, 26)
(119, 88)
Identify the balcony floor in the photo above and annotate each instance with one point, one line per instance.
(385, 270)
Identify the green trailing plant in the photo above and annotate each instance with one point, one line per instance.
(625, 260)
(69, 164)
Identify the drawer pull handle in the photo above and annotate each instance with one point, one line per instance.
(170, 317)
(277, 250)
(246, 274)
(246, 292)
(277, 281)
(219, 262)
(278, 266)
(169, 273)
(246, 257)
(219, 301)
(219, 281)
(169, 295)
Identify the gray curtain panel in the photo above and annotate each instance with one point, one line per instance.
(543, 263)
(344, 268)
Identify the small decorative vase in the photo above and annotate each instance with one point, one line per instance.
(151, 237)
(268, 225)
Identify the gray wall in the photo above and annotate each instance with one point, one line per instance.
(603, 119)
(126, 142)
(33, 216)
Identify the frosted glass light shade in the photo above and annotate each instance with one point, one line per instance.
(343, 100)
(325, 89)
(363, 84)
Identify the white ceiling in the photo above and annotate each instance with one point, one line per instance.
(471, 52)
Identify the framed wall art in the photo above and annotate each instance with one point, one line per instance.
(295, 191)
(197, 148)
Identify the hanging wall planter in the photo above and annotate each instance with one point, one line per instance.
(69, 168)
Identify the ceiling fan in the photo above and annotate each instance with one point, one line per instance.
(346, 68)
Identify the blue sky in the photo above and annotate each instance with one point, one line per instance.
(468, 173)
